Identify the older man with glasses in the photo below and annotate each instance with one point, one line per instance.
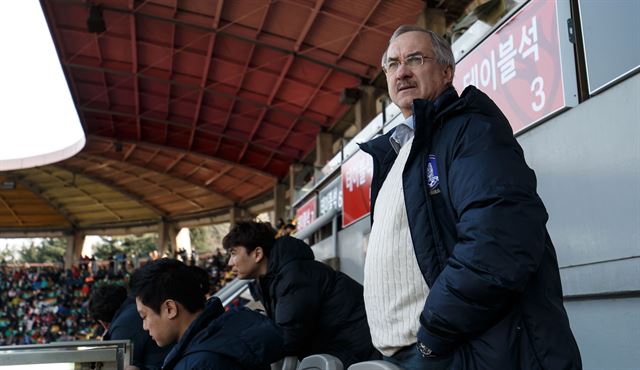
(460, 271)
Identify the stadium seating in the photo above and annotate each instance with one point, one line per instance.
(320, 362)
(328, 362)
(287, 363)
(374, 365)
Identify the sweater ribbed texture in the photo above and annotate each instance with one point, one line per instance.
(394, 288)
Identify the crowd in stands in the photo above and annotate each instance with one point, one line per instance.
(43, 303)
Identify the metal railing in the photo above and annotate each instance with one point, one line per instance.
(105, 355)
(232, 290)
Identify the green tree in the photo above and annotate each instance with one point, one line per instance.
(47, 250)
(132, 245)
(7, 254)
(139, 245)
(201, 238)
(208, 238)
(107, 247)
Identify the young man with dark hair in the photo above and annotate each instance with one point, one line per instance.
(171, 300)
(117, 313)
(320, 310)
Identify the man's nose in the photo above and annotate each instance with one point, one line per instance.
(230, 263)
(403, 72)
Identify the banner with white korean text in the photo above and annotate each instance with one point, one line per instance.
(330, 197)
(306, 214)
(356, 175)
(520, 66)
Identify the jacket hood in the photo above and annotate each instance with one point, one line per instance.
(246, 336)
(471, 100)
(287, 249)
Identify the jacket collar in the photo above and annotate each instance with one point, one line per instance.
(428, 111)
(212, 310)
(127, 302)
(423, 111)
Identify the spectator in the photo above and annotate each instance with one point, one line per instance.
(285, 229)
(170, 297)
(319, 309)
(117, 313)
(460, 271)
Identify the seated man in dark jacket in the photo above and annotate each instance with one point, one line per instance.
(117, 313)
(171, 299)
(319, 309)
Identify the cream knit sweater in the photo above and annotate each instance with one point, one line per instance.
(394, 289)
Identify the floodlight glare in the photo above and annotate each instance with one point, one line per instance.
(38, 120)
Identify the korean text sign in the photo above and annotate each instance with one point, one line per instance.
(519, 66)
(356, 175)
(330, 197)
(306, 214)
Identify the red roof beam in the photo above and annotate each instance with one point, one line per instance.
(205, 70)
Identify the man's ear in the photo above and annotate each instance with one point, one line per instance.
(259, 252)
(448, 74)
(170, 307)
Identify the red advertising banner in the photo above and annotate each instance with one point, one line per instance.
(519, 66)
(306, 214)
(356, 172)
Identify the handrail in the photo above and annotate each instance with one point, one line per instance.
(232, 290)
(316, 225)
(117, 352)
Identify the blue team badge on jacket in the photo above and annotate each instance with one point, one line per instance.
(433, 181)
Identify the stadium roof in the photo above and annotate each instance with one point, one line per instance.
(190, 107)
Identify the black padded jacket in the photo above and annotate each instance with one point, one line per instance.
(319, 309)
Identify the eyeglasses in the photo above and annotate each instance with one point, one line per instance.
(410, 61)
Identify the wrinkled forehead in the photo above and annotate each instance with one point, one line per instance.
(410, 43)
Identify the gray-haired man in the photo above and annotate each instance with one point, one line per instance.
(460, 272)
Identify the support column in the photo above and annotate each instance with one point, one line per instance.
(293, 171)
(173, 239)
(365, 108)
(75, 242)
(167, 238)
(234, 215)
(434, 20)
(279, 202)
(324, 149)
(162, 238)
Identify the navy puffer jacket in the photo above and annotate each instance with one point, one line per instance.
(239, 339)
(479, 232)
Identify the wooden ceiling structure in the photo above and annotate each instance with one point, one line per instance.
(191, 107)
